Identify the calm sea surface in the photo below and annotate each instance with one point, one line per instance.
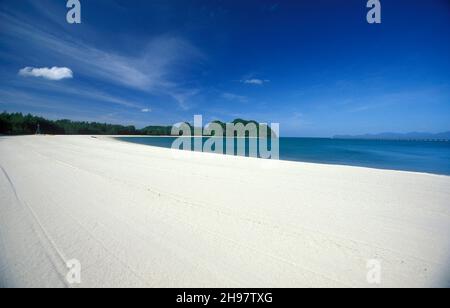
(419, 156)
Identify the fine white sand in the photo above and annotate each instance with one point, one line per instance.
(135, 215)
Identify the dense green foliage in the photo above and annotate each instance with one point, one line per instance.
(156, 131)
(259, 128)
(19, 124)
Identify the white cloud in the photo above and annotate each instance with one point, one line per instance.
(54, 73)
(255, 81)
(146, 110)
(157, 68)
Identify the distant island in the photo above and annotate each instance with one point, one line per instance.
(398, 136)
(20, 124)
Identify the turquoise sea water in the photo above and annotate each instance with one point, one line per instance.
(418, 156)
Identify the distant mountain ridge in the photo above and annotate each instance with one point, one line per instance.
(398, 136)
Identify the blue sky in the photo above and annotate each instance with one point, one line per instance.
(316, 67)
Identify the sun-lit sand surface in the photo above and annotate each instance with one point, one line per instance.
(135, 215)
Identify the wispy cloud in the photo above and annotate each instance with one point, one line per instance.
(255, 81)
(81, 92)
(182, 96)
(146, 110)
(153, 70)
(54, 73)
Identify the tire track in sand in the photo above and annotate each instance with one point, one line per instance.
(57, 258)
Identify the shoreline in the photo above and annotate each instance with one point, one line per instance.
(116, 138)
(137, 215)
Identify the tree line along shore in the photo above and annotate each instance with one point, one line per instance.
(20, 124)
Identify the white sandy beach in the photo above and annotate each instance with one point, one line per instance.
(138, 216)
